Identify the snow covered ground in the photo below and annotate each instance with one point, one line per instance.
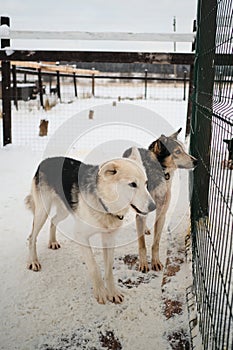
(55, 308)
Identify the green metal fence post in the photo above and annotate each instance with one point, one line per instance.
(203, 99)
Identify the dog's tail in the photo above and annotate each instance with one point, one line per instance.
(29, 203)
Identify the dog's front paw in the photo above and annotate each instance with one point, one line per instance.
(34, 265)
(100, 294)
(144, 267)
(156, 265)
(54, 245)
(115, 296)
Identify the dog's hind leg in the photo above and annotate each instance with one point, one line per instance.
(61, 214)
(155, 261)
(113, 294)
(39, 219)
(141, 226)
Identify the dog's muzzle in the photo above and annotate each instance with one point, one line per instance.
(137, 210)
(151, 207)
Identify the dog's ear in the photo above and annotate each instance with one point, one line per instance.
(229, 145)
(156, 147)
(135, 155)
(108, 169)
(174, 136)
(160, 147)
(227, 141)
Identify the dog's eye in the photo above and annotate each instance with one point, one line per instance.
(133, 184)
(178, 152)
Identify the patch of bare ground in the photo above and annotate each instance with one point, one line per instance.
(109, 341)
(131, 260)
(179, 340)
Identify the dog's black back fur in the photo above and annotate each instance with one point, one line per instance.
(62, 174)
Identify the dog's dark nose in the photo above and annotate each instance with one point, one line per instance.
(151, 206)
(195, 162)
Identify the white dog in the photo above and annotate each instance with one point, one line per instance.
(98, 197)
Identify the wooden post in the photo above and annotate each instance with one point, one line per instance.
(15, 92)
(145, 93)
(43, 127)
(91, 114)
(40, 88)
(6, 21)
(75, 85)
(185, 76)
(93, 83)
(6, 89)
(58, 85)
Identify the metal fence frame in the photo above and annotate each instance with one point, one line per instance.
(143, 77)
(83, 56)
(211, 204)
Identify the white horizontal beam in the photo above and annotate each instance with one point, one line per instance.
(7, 33)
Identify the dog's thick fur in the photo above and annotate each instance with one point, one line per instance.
(160, 161)
(98, 197)
(230, 148)
(228, 164)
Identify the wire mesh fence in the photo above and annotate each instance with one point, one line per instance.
(56, 98)
(212, 144)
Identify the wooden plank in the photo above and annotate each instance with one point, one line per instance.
(35, 65)
(67, 69)
(109, 36)
(108, 56)
(53, 68)
(98, 56)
